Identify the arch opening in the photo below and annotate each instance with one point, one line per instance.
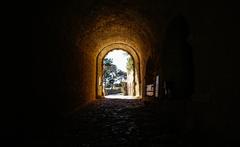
(110, 87)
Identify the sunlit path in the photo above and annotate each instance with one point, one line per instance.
(119, 96)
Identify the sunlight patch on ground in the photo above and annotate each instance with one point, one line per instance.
(120, 97)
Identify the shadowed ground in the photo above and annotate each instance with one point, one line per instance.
(128, 122)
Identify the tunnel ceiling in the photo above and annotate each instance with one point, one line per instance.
(111, 23)
(121, 27)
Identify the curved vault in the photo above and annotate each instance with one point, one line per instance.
(112, 29)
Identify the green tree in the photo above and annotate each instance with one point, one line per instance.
(110, 72)
(121, 75)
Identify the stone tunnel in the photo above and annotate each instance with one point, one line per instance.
(184, 43)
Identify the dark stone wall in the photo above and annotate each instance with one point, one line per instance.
(212, 39)
(49, 58)
(214, 43)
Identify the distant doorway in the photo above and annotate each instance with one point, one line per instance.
(118, 75)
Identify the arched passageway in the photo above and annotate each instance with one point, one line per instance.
(68, 38)
(111, 30)
(136, 68)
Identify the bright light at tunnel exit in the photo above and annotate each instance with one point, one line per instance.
(119, 58)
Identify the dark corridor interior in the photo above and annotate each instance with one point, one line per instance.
(183, 54)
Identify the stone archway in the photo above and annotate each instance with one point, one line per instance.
(99, 65)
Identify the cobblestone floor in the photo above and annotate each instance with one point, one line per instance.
(116, 122)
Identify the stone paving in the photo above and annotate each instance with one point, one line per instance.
(117, 122)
